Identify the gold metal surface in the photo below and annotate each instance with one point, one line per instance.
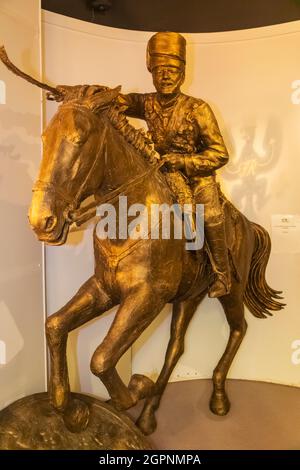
(33, 424)
(90, 149)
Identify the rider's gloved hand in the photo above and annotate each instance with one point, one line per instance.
(173, 161)
(62, 91)
(67, 92)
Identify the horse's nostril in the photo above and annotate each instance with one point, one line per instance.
(50, 223)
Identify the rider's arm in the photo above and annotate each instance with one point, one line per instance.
(134, 104)
(213, 153)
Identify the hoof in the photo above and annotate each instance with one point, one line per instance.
(76, 415)
(122, 404)
(219, 403)
(140, 387)
(147, 423)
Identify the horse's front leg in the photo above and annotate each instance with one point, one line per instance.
(181, 317)
(135, 313)
(90, 301)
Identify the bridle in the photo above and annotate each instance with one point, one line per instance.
(73, 213)
(85, 213)
(81, 215)
(72, 202)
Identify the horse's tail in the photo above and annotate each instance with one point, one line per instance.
(258, 296)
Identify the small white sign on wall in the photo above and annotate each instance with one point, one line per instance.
(286, 233)
(2, 92)
(2, 352)
(296, 93)
(296, 353)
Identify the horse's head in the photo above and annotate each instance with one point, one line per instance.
(72, 168)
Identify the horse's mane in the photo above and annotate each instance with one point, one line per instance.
(86, 95)
(136, 137)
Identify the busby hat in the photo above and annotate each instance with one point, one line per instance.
(166, 49)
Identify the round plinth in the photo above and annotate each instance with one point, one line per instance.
(32, 423)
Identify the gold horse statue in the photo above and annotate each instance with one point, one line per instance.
(90, 149)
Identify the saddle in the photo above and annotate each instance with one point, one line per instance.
(182, 194)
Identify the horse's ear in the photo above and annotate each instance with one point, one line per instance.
(101, 100)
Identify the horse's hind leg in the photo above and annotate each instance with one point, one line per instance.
(234, 310)
(181, 317)
(135, 313)
(89, 302)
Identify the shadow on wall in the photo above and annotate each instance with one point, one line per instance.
(10, 119)
(20, 327)
(250, 169)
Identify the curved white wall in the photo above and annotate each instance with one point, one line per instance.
(247, 78)
(22, 345)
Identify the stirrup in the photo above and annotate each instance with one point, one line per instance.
(220, 286)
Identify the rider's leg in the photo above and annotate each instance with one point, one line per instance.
(179, 185)
(214, 227)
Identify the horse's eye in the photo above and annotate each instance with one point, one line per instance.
(78, 140)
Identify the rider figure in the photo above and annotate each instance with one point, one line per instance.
(186, 135)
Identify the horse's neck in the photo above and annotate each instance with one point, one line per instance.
(122, 162)
(128, 174)
(124, 165)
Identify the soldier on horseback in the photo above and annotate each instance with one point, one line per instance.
(90, 149)
(186, 135)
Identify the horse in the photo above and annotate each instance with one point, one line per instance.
(90, 149)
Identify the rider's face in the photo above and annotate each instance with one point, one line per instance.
(167, 79)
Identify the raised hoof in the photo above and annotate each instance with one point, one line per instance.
(121, 405)
(76, 415)
(219, 403)
(140, 387)
(147, 423)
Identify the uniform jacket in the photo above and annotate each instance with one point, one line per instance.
(186, 126)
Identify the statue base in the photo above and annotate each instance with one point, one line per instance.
(31, 423)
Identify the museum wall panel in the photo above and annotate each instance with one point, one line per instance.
(250, 79)
(22, 345)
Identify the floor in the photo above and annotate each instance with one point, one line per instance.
(262, 416)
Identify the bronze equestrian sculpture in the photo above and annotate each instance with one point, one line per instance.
(90, 149)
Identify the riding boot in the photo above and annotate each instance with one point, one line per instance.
(218, 254)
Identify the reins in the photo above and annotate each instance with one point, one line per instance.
(83, 214)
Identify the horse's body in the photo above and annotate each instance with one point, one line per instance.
(83, 155)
